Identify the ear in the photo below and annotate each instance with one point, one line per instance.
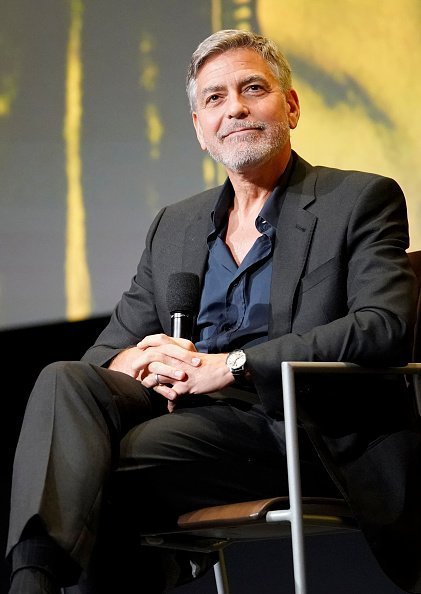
(198, 129)
(292, 100)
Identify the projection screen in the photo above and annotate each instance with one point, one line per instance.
(96, 135)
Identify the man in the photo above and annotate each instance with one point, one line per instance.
(295, 263)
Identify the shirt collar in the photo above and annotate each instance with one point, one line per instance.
(224, 203)
(267, 219)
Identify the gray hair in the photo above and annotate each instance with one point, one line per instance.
(229, 39)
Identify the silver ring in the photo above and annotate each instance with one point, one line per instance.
(158, 383)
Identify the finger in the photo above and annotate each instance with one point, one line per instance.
(167, 373)
(169, 354)
(171, 406)
(166, 391)
(179, 354)
(154, 340)
(164, 375)
(141, 364)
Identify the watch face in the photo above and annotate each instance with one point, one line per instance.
(236, 360)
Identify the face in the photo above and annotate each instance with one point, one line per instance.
(242, 117)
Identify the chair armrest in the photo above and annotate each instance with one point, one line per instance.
(352, 368)
(326, 367)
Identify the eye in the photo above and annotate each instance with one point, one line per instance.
(254, 88)
(212, 98)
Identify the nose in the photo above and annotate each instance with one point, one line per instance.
(237, 106)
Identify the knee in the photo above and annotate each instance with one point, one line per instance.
(61, 378)
(72, 390)
(63, 370)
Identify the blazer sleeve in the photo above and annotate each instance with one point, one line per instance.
(380, 290)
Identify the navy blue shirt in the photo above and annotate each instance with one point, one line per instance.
(234, 306)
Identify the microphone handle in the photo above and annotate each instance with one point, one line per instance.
(181, 325)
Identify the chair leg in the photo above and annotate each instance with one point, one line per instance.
(221, 577)
(294, 478)
(299, 563)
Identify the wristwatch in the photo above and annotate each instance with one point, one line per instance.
(236, 361)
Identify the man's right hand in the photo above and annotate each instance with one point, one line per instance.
(124, 361)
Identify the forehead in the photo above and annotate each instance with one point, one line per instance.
(235, 63)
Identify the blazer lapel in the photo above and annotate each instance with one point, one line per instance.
(195, 249)
(293, 239)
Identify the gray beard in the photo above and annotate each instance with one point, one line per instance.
(241, 153)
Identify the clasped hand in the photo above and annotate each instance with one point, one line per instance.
(172, 367)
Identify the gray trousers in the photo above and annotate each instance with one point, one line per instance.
(93, 438)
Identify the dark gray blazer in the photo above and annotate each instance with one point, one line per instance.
(342, 290)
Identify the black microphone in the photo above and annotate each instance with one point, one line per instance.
(183, 293)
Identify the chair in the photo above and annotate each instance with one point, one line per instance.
(212, 529)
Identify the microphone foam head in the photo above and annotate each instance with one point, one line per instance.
(183, 292)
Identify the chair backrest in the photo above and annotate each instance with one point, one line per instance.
(415, 260)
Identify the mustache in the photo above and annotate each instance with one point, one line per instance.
(237, 126)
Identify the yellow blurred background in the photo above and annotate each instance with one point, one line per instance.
(96, 134)
(356, 69)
